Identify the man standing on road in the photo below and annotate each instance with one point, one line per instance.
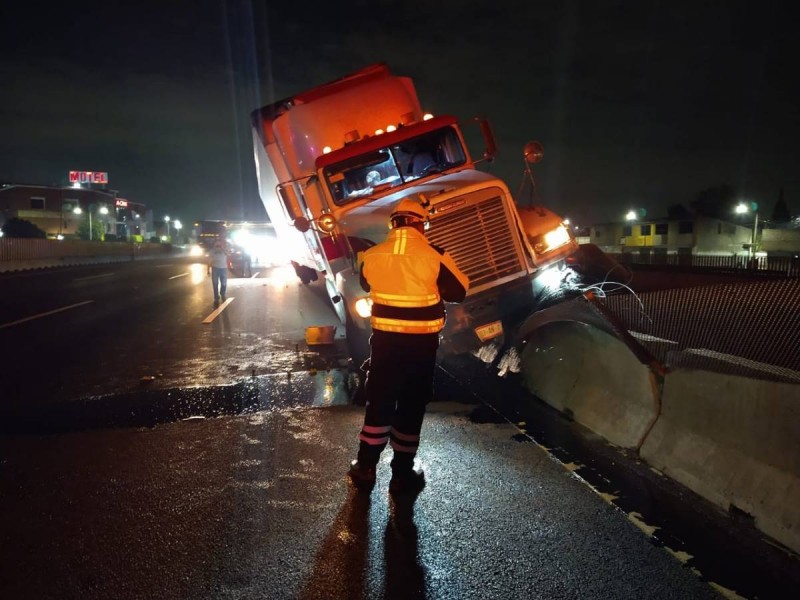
(409, 280)
(218, 269)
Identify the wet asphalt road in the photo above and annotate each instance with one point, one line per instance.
(256, 506)
(124, 327)
(132, 502)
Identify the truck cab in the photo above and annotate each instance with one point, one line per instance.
(334, 161)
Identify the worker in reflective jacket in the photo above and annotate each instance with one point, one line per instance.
(408, 280)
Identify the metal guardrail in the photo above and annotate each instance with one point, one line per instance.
(782, 265)
(746, 329)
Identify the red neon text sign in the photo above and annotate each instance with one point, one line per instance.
(88, 177)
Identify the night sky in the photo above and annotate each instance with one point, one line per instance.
(637, 103)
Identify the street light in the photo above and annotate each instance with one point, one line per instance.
(178, 225)
(635, 213)
(742, 209)
(103, 211)
(61, 222)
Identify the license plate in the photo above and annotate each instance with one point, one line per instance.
(489, 331)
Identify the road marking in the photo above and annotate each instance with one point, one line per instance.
(218, 311)
(44, 314)
(180, 275)
(94, 277)
(254, 275)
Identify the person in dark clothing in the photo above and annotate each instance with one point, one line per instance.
(409, 280)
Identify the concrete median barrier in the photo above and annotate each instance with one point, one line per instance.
(593, 377)
(736, 442)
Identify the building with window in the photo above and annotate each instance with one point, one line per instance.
(697, 235)
(52, 209)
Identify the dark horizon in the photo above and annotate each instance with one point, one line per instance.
(639, 106)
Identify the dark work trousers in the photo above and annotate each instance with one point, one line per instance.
(398, 388)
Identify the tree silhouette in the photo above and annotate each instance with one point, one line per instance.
(780, 213)
(20, 228)
(678, 212)
(97, 230)
(715, 202)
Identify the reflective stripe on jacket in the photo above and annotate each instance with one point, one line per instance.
(408, 279)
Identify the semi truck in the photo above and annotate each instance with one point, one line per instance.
(333, 161)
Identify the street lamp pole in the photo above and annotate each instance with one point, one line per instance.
(753, 237)
(166, 220)
(103, 211)
(178, 225)
(743, 208)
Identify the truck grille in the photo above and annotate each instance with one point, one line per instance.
(480, 239)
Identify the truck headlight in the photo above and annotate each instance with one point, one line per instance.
(363, 307)
(555, 238)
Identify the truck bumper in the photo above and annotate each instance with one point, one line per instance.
(490, 318)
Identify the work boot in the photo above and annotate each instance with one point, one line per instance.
(216, 303)
(407, 481)
(362, 476)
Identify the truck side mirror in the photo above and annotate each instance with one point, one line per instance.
(488, 138)
(290, 201)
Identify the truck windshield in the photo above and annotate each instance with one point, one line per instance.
(394, 165)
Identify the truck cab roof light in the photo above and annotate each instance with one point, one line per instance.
(378, 131)
(326, 149)
(427, 117)
(351, 136)
(390, 128)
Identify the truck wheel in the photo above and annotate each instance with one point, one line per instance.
(306, 274)
(357, 342)
(358, 349)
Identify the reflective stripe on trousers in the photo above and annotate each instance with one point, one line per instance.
(403, 442)
(374, 435)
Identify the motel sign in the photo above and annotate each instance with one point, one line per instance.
(88, 177)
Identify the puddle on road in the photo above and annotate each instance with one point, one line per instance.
(149, 407)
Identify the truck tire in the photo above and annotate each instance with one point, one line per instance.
(358, 349)
(306, 274)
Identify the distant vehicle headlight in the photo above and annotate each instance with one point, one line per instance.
(196, 250)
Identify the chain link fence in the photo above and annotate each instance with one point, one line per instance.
(748, 329)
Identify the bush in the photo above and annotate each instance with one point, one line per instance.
(20, 228)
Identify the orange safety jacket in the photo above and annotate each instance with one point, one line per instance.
(408, 280)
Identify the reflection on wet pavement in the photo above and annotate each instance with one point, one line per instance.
(149, 407)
